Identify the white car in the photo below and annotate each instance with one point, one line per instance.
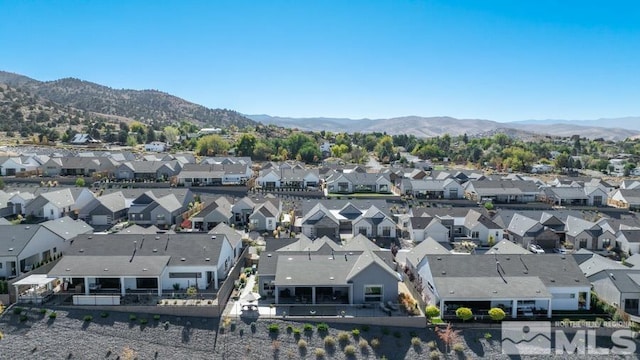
(560, 251)
(536, 249)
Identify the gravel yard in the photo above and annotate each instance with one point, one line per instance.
(71, 335)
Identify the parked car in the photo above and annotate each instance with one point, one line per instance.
(536, 249)
(560, 251)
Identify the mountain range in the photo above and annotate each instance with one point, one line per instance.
(74, 98)
(608, 129)
(142, 105)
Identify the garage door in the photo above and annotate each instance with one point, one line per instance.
(330, 232)
(100, 220)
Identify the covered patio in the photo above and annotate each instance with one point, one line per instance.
(35, 289)
(305, 294)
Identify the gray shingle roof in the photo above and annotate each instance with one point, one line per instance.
(110, 266)
(552, 269)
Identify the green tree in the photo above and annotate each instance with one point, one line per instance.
(211, 145)
(384, 149)
(339, 149)
(295, 142)
(497, 314)
(309, 153)
(80, 182)
(464, 313)
(171, 134)
(246, 145)
(262, 151)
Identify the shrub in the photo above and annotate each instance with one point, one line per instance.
(156, 317)
(634, 326)
(273, 328)
(497, 314)
(432, 311)
(319, 353)
(322, 327)
(104, 314)
(88, 318)
(302, 344)
(143, 321)
(386, 331)
(42, 311)
(296, 332)
(349, 350)
(432, 345)
(488, 336)
(23, 318)
(355, 333)
(364, 328)
(329, 341)
(17, 310)
(308, 327)
(458, 347)
(464, 313)
(363, 343)
(133, 317)
(53, 315)
(343, 336)
(415, 341)
(375, 343)
(434, 355)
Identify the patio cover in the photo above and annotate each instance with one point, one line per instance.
(35, 280)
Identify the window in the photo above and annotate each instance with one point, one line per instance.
(373, 293)
(55, 250)
(475, 235)
(160, 217)
(606, 243)
(386, 231)
(51, 211)
(185, 275)
(362, 230)
(583, 243)
(0, 265)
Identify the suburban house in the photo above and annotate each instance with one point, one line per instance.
(628, 198)
(81, 166)
(502, 191)
(19, 200)
(156, 146)
(58, 203)
(574, 195)
(628, 241)
(147, 170)
(582, 234)
(27, 245)
(620, 288)
(479, 228)
(348, 183)
(332, 217)
(214, 174)
(83, 139)
(149, 209)
(432, 189)
(265, 216)
(107, 209)
(320, 272)
(524, 230)
(297, 178)
(423, 227)
(157, 263)
(10, 166)
(217, 211)
(523, 285)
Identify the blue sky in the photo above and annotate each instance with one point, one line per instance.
(498, 60)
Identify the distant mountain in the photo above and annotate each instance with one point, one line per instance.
(630, 122)
(438, 126)
(142, 105)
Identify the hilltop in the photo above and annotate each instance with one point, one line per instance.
(147, 106)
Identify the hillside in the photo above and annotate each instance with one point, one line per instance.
(147, 106)
(438, 126)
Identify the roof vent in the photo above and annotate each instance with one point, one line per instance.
(288, 278)
(451, 292)
(67, 269)
(538, 291)
(106, 269)
(207, 259)
(157, 237)
(507, 258)
(155, 250)
(81, 250)
(89, 237)
(495, 291)
(576, 280)
(145, 269)
(438, 258)
(268, 255)
(444, 273)
(10, 249)
(331, 278)
(27, 227)
(183, 259)
(552, 280)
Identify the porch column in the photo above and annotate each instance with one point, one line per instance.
(215, 279)
(86, 286)
(587, 298)
(313, 295)
(276, 292)
(514, 308)
(350, 294)
(123, 290)
(159, 286)
(442, 309)
(549, 309)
